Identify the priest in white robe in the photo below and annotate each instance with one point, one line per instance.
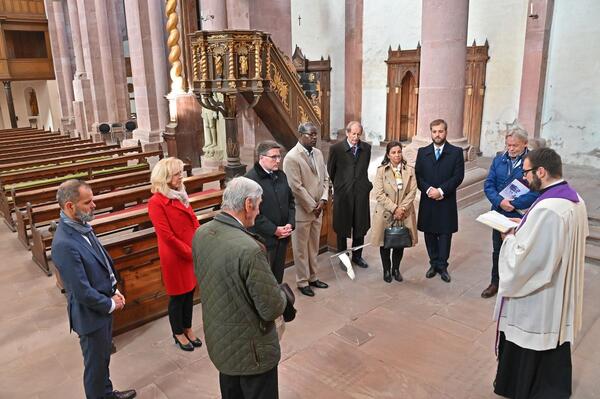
(539, 305)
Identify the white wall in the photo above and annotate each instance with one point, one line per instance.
(321, 33)
(571, 112)
(503, 24)
(48, 104)
(385, 23)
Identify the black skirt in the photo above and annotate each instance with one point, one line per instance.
(528, 374)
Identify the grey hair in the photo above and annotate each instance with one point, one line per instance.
(352, 123)
(236, 192)
(306, 127)
(265, 146)
(517, 133)
(68, 191)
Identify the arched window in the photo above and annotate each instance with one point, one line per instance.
(32, 103)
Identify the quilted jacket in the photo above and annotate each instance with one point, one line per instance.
(240, 298)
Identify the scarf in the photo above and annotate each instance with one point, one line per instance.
(179, 195)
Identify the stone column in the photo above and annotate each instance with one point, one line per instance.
(442, 71)
(353, 61)
(61, 59)
(535, 60)
(83, 107)
(148, 68)
(218, 10)
(10, 103)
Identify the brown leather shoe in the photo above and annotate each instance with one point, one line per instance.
(490, 291)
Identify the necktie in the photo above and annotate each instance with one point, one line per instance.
(311, 158)
(438, 152)
(354, 150)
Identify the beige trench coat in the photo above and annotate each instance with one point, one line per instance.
(388, 198)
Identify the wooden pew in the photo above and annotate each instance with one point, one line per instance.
(4, 132)
(40, 217)
(30, 138)
(13, 177)
(51, 143)
(46, 195)
(24, 133)
(69, 159)
(21, 156)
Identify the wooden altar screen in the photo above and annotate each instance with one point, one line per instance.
(403, 91)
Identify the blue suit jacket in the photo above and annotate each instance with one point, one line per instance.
(501, 174)
(86, 280)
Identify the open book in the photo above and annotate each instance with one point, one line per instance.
(497, 221)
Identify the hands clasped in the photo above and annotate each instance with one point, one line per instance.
(119, 300)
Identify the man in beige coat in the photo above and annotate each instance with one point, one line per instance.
(308, 179)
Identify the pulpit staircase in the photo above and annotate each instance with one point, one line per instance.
(247, 64)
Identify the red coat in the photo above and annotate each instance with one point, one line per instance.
(175, 226)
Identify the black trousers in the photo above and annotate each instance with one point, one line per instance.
(342, 245)
(259, 386)
(277, 258)
(438, 249)
(396, 257)
(181, 308)
(96, 348)
(496, 245)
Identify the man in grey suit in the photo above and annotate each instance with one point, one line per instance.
(308, 179)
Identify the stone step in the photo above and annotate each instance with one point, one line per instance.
(465, 191)
(594, 220)
(470, 199)
(594, 237)
(592, 254)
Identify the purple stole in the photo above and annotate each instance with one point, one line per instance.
(560, 190)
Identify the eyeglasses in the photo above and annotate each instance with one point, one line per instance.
(273, 157)
(525, 171)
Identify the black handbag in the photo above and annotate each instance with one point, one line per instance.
(396, 237)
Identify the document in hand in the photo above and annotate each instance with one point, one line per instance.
(514, 190)
(497, 221)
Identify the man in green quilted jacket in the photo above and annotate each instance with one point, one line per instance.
(240, 296)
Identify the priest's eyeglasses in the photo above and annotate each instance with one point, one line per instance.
(525, 171)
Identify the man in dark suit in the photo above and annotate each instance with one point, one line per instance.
(440, 168)
(347, 166)
(90, 282)
(276, 220)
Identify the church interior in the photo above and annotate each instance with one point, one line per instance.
(100, 90)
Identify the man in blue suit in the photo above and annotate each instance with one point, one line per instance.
(440, 168)
(90, 282)
(505, 168)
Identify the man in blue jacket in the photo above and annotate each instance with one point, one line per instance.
(90, 282)
(506, 168)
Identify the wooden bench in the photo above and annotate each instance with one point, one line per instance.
(40, 196)
(40, 217)
(24, 133)
(89, 167)
(53, 143)
(70, 159)
(4, 132)
(30, 155)
(30, 138)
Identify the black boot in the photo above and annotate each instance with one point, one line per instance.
(387, 275)
(387, 265)
(396, 274)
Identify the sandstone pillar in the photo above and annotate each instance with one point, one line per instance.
(535, 60)
(83, 107)
(214, 13)
(148, 68)
(61, 59)
(442, 73)
(353, 61)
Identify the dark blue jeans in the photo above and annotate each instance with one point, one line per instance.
(496, 245)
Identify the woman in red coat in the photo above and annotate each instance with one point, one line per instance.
(175, 224)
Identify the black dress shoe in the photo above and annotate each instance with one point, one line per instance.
(129, 394)
(431, 272)
(185, 347)
(307, 291)
(490, 291)
(196, 343)
(387, 276)
(318, 284)
(397, 275)
(445, 276)
(360, 262)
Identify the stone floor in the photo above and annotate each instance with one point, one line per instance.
(424, 338)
